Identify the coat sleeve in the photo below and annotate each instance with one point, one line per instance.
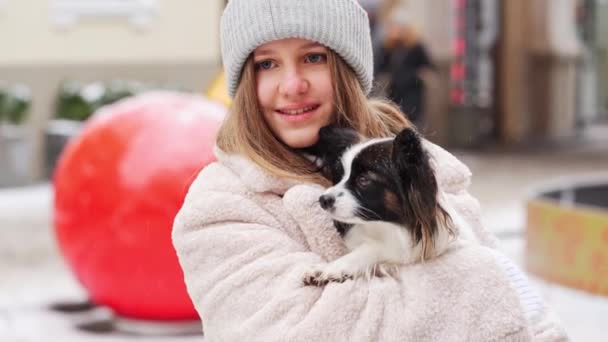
(454, 179)
(244, 276)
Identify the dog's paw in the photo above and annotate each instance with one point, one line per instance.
(311, 278)
(318, 277)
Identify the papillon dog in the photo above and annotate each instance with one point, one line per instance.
(384, 201)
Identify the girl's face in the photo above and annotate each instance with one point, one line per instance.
(294, 89)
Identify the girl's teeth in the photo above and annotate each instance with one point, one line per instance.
(297, 111)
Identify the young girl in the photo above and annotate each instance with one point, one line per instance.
(251, 225)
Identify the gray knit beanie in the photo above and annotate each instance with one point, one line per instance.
(341, 25)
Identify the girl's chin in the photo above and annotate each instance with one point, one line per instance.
(300, 139)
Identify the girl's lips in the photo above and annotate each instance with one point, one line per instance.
(300, 117)
(298, 109)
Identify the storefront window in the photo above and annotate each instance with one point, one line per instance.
(602, 56)
(475, 28)
(593, 71)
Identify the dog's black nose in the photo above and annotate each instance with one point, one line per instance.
(327, 201)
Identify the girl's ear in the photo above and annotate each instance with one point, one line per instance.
(419, 187)
(328, 150)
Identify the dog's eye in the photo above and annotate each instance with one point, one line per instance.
(363, 181)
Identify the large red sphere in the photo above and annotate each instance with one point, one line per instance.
(118, 186)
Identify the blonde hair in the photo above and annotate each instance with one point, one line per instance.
(245, 132)
(401, 35)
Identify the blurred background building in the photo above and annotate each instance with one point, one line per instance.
(511, 72)
(518, 89)
(504, 72)
(48, 43)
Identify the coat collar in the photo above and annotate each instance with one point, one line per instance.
(452, 175)
(252, 175)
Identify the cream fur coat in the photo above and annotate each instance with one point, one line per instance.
(244, 239)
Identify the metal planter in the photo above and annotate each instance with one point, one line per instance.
(15, 154)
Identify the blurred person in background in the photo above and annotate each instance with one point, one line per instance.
(251, 227)
(403, 62)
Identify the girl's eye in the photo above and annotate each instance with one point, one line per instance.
(264, 65)
(315, 58)
(363, 181)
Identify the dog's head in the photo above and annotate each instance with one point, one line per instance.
(328, 150)
(387, 179)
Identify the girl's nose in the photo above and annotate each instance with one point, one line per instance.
(293, 84)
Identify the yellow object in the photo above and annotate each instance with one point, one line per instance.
(218, 90)
(568, 245)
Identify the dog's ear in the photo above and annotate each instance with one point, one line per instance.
(328, 150)
(419, 185)
(407, 148)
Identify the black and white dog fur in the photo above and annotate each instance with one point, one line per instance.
(385, 203)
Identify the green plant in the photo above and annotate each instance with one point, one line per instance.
(72, 105)
(15, 102)
(3, 96)
(78, 101)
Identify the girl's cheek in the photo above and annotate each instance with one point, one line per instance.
(321, 81)
(321, 74)
(265, 85)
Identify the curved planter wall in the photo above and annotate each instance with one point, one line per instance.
(567, 235)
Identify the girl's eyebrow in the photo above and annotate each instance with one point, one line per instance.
(262, 52)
